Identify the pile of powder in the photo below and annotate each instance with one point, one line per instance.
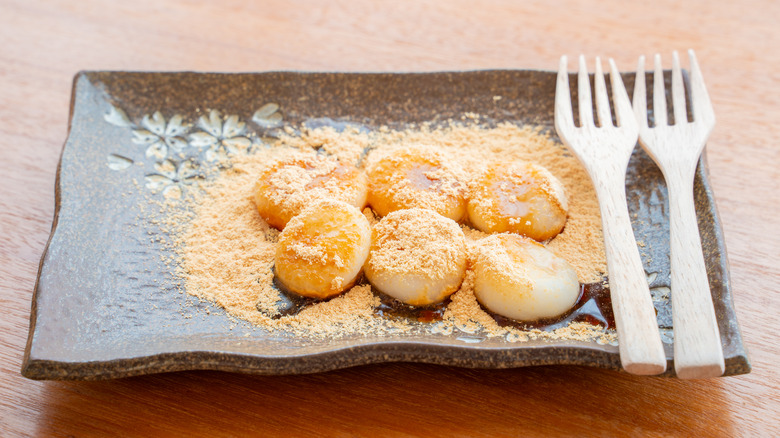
(290, 181)
(294, 182)
(227, 258)
(227, 250)
(495, 258)
(396, 174)
(412, 241)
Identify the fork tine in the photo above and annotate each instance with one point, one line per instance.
(659, 93)
(640, 94)
(678, 92)
(623, 113)
(602, 100)
(700, 99)
(583, 88)
(564, 118)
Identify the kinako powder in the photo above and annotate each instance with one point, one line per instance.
(226, 251)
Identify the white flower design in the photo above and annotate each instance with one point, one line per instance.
(221, 136)
(161, 137)
(118, 162)
(117, 117)
(222, 139)
(268, 116)
(171, 176)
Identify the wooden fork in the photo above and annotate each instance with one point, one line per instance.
(604, 151)
(676, 149)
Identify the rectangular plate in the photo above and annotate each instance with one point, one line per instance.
(103, 305)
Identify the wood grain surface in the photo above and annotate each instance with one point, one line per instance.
(676, 149)
(605, 151)
(44, 43)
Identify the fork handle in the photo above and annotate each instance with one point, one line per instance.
(641, 350)
(697, 346)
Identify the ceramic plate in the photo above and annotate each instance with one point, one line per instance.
(103, 305)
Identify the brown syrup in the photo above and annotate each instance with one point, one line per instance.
(594, 306)
(394, 309)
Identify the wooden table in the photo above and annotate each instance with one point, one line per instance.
(44, 43)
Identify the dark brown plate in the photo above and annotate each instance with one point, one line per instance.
(105, 305)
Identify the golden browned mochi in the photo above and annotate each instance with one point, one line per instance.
(289, 185)
(416, 176)
(417, 256)
(322, 250)
(518, 197)
(520, 279)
